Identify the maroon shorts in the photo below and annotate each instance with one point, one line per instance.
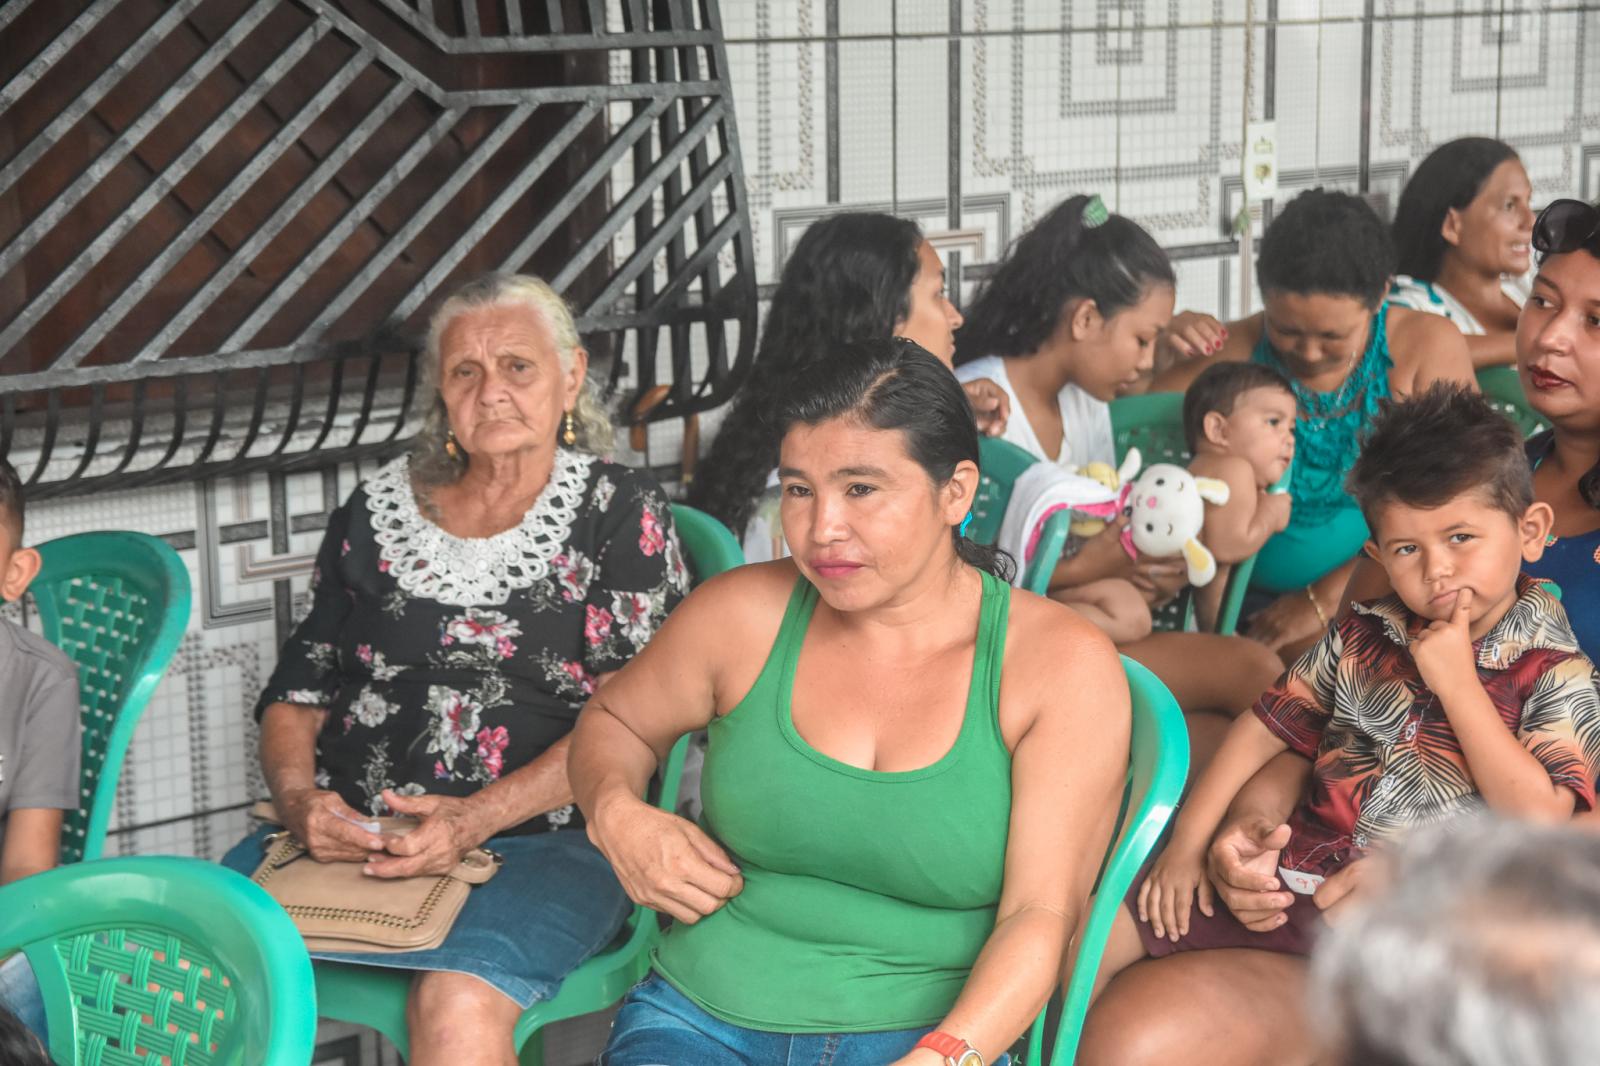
(1294, 937)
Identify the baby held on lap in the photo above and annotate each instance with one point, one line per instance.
(1238, 420)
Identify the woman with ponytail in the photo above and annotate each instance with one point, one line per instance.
(853, 276)
(1067, 322)
(913, 767)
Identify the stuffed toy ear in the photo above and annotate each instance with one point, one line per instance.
(1130, 466)
(1202, 564)
(1212, 490)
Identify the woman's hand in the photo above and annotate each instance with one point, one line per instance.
(1290, 619)
(451, 827)
(328, 827)
(1190, 335)
(1357, 881)
(665, 862)
(991, 405)
(1169, 890)
(1243, 868)
(1158, 580)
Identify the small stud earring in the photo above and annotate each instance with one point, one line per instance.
(569, 435)
(451, 448)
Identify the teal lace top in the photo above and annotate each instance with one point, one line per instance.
(1330, 425)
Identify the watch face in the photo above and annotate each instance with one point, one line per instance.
(970, 1058)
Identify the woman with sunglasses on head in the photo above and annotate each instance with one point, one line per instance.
(1324, 269)
(1558, 362)
(1246, 1007)
(1461, 232)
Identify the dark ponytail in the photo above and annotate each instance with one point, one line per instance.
(1108, 259)
(894, 384)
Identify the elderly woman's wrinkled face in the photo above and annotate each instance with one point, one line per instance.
(502, 381)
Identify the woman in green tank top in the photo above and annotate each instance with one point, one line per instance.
(912, 770)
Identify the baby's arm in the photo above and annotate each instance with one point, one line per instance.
(1236, 530)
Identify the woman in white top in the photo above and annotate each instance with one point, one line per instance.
(1462, 233)
(1067, 322)
(852, 276)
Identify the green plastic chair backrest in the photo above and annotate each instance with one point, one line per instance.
(1158, 764)
(710, 547)
(149, 960)
(1502, 388)
(1152, 422)
(118, 604)
(1000, 463)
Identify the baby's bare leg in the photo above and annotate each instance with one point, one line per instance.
(1113, 605)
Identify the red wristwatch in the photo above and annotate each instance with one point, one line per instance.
(956, 1051)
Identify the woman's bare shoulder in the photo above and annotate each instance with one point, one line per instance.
(1050, 643)
(1426, 348)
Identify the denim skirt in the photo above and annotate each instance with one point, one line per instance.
(554, 903)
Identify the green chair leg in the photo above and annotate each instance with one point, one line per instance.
(1158, 765)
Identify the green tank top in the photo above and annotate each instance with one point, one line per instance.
(867, 894)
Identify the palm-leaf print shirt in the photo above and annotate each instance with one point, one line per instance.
(445, 662)
(1385, 756)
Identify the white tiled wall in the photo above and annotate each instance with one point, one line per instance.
(849, 103)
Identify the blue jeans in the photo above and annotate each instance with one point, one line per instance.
(19, 994)
(554, 903)
(660, 1026)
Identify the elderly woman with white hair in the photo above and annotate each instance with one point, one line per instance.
(467, 599)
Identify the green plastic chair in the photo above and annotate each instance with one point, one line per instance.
(1503, 389)
(1158, 764)
(150, 960)
(709, 545)
(118, 604)
(376, 997)
(1000, 464)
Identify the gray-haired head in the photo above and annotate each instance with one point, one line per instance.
(1484, 952)
(430, 462)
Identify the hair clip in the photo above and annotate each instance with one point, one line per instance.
(1094, 212)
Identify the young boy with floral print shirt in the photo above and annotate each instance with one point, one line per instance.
(1463, 690)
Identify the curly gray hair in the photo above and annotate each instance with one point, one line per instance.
(430, 462)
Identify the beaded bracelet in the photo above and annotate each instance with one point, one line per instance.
(1321, 617)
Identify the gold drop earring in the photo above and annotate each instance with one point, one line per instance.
(451, 448)
(569, 434)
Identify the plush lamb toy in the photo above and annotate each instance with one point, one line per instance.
(1167, 509)
(1166, 506)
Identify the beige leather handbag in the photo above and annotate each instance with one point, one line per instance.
(338, 908)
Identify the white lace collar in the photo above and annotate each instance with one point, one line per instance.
(473, 571)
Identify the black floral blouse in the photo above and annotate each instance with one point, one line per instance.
(447, 662)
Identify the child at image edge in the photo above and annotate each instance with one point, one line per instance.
(1465, 689)
(39, 746)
